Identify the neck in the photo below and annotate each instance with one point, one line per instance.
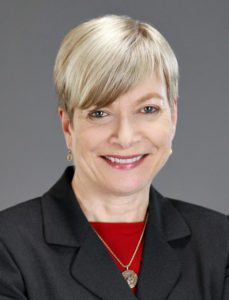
(100, 206)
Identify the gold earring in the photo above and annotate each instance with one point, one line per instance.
(69, 155)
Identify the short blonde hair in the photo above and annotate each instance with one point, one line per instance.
(101, 59)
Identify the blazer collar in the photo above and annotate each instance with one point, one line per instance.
(65, 224)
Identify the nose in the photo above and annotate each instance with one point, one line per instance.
(125, 133)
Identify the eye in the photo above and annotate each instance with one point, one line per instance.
(98, 114)
(149, 109)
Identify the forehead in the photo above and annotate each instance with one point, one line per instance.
(151, 88)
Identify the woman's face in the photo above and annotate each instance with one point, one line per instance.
(137, 128)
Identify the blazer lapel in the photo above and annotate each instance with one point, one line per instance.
(66, 225)
(160, 267)
(94, 269)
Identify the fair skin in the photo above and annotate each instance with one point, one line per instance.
(139, 122)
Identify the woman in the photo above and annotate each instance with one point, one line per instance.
(102, 231)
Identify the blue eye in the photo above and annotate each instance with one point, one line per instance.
(98, 114)
(149, 109)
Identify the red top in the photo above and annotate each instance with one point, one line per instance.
(122, 238)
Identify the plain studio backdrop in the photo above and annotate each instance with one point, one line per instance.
(32, 147)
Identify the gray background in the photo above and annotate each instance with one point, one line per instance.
(33, 152)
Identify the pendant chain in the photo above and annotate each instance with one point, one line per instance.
(135, 251)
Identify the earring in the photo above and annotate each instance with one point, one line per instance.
(171, 151)
(69, 155)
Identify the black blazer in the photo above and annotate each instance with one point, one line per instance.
(48, 251)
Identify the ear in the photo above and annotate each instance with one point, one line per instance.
(174, 117)
(66, 126)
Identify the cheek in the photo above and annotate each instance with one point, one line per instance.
(90, 140)
(161, 133)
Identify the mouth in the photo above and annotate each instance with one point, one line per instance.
(124, 162)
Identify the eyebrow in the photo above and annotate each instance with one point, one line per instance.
(141, 99)
(149, 96)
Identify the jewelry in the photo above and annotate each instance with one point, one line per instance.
(171, 151)
(130, 276)
(69, 155)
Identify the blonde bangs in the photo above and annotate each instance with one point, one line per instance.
(102, 59)
(114, 75)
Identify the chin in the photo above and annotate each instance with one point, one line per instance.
(128, 187)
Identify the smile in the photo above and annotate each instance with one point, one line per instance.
(124, 162)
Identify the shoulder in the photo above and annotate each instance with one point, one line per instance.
(22, 209)
(20, 218)
(195, 211)
(202, 220)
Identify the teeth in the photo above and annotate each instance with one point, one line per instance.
(124, 161)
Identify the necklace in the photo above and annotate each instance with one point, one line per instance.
(130, 276)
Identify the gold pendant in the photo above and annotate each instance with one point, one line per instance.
(131, 278)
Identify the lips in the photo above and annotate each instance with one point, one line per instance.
(124, 159)
(124, 162)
